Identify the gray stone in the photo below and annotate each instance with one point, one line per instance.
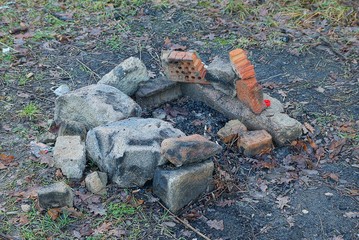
(96, 182)
(157, 91)
(177, 187)
(129, 150)
(231, 131)
(283, 128)
(127, 76)
(73, 128)
(95, 105)
(62, 90)
(188, 149)
(47, 138)
(222, 76)
(69, 156)
(55, 195)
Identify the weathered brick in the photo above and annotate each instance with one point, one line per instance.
(184, 67)
(255, 142)
(250, 93)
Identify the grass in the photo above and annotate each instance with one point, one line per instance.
(30, 111)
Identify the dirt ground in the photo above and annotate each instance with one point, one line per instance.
(308, 189)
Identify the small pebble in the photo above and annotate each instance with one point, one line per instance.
(25, 207)
(305, 211)
(328, 194)
(62, 90)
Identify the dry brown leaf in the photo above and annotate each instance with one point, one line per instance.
(332, 176)
(54, 213)
(282, 201)
(309, 127)
(6, 159)
(2, 166)
(104, 227)
(23, 220)
(319, 153)
(218, 225)
(336, 147)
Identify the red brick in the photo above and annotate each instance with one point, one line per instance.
(255, 142)
(250, 93)
(186, 67)
(236, 52)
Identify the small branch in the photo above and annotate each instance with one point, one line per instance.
(9, 47)
(88, 69)
(185, 223)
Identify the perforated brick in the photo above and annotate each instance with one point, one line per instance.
(185, 67)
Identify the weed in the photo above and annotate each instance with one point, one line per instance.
(120, 210)
(42, 35)
(244, 42)
(115, 43)
(238, 7)
(29, 111)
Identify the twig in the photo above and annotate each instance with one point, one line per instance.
(9, 47)
(88, 69)
(185, 223)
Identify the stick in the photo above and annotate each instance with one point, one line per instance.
(185, 223)
(89, 69)
(9, 47)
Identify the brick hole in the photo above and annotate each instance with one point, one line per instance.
(183, 72)
(193, 77)
(177, 71)
(186, 77)
(192, 69)
(199, 78)
(180, 67)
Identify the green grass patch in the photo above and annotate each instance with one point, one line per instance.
(30, 111)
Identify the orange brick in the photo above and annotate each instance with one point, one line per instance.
(235, 52)
(255, 142)
(248, 74)
(250, 93)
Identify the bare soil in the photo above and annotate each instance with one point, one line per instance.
(308, 189)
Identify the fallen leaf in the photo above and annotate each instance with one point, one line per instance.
(6, 159)
(319, 153)
(332, 176)
(151, 74)
(2, 166)
(58, 173)
(54, 213)
(336, 147)
(104, 227)
(23, 220)
(169, 224)
(218, 225)
(352, 215)
(117, 232)
(167, 41)
(97, 209)
(319, 89)
(309, 127)
(290, 221)
(282, 202)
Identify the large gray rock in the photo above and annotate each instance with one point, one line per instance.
(158, 91)
(95, 105)
(127, 76)
(55, 195)
(283, 128)
(188, 149)
(177, 187)
(129, 150)
(69, 156)
(220, 73)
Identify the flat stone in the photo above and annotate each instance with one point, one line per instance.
(222, 76)
(62, 90)
(129, 150)
(96, 182)
(281, 127)
(231, 131)
(255, 142)
(177, 187)
(156, 92)
(69, 156)
(127, 76)
(55, 195)
(73, 128)
(188, 149)
(95, 105)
